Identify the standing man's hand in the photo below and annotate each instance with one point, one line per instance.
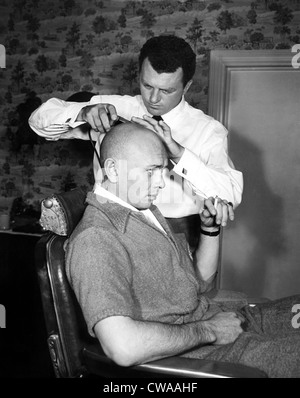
(99, 116)
(164, 132)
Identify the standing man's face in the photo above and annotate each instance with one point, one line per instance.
(161, 92)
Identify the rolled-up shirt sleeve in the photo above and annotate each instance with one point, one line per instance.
(55, 118)
(219, 179)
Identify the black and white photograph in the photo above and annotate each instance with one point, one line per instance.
(149, 192)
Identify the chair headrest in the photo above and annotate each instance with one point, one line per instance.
(61, 212)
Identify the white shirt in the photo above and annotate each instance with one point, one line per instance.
(113, 198)
(204, 170)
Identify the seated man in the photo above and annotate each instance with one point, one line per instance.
(142, 294)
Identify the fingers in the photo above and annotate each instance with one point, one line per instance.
(112, 113)
(230, 211)
(226, 326)
(101, 120)
(217, 212)
(159, 127)
(236, 321)
(225, 212)
(239, 318)
(100, 116)
(222, 213)
(210, 206)
(142, 122)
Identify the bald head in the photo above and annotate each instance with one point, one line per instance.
(133, 159)
(126, 139)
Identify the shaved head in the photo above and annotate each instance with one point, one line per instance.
(124, 139)
(133, 159)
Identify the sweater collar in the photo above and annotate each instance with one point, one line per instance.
(118, 214)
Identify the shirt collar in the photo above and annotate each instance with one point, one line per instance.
(112, 198)
(170, 116)
(173, 113)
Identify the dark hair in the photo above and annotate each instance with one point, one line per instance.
(168, 53)
(81, 96)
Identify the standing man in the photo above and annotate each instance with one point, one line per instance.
(196, 143)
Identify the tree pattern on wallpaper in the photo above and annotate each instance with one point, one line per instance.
(56, 48)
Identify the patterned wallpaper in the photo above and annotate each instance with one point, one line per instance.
(56, 48)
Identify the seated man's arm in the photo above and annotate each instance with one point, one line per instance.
(102, 281)
(215, 214)
(128, 342)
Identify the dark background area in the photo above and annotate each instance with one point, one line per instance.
(23, 347)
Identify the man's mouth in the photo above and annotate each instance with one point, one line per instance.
(154, 106)
(153, 196)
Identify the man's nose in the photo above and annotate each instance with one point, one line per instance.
(155, 96)
(161, 181)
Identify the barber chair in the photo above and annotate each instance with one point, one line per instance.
(74, 353)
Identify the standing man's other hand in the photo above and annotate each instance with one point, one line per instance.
(175, 150)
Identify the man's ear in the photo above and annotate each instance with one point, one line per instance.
(187, 86)
(111, 170)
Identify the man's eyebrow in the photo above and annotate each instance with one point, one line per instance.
(155, 166)
(170, 89)
(160, 88)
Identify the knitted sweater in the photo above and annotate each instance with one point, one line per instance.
(120, 264)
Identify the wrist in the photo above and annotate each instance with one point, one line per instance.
(176, 158)
(210, 231)
(79, 116)
(207, 336)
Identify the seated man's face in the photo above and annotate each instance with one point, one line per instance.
(143, 175)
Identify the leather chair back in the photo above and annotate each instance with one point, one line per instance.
(65, 324)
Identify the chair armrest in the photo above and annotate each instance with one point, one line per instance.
(253, 301)
(172, 367)
(199, 368)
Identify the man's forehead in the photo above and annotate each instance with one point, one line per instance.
(153, 158)
(148, 71)
(161, 161)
